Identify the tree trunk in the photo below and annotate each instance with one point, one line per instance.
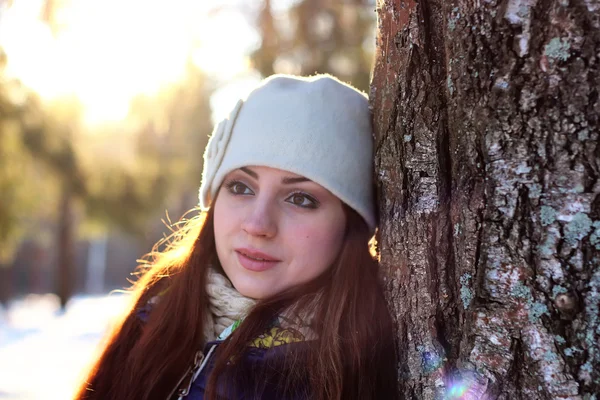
(486, 118)
(65, 277)
(6, 283)
(96, 264)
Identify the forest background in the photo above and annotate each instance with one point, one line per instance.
(105, 109)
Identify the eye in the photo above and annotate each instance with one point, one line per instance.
(302, 200)
(238, 188)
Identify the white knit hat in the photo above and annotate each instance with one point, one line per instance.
(316, 127)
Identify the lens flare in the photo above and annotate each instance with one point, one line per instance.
(456, 391)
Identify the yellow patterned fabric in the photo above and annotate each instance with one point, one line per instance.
(276, 336)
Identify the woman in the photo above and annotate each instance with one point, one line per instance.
(272, 292)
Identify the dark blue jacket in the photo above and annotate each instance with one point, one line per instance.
(252, 385)
(260, 378)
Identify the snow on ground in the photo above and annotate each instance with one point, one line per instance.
(43, 351)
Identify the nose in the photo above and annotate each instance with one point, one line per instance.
(260, 220)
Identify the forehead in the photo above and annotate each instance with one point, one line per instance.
(258, 171)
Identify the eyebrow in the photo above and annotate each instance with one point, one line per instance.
(287, 180)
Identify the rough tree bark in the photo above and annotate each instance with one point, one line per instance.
(486, 116)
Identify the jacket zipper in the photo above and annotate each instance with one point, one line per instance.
(184, 385)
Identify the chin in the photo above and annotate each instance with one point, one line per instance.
(253, 294)
(252, 291)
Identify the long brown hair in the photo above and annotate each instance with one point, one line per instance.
(354, 356)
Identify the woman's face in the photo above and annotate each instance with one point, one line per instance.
(275, 229)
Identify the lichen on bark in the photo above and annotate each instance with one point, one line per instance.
(490, 210)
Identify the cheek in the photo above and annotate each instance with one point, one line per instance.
(219, 221)
(317, 246)
(226, 211)
(224, 220)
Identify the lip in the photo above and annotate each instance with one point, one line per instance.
(247, 259)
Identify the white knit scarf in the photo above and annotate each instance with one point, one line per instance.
(227, 305)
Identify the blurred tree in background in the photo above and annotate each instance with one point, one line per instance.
(53, 175)
(23, 184)
(318, 36)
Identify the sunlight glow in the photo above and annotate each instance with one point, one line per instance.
(107, 52)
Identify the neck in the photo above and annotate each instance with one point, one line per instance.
(227, 305)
